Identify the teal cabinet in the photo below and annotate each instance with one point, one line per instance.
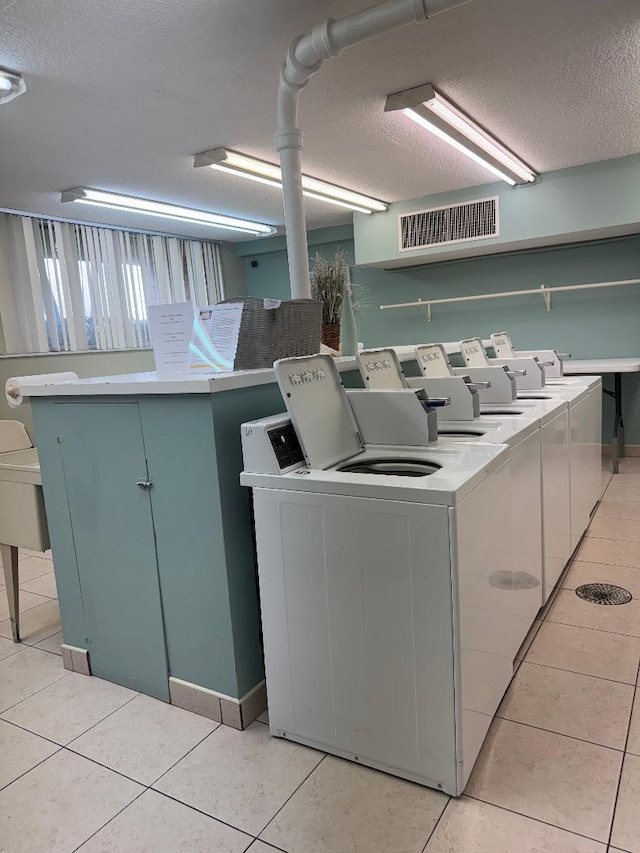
(155, 582)
(113, 532)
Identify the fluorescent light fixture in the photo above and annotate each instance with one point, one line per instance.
(11, 85)
(429, 109)
(131, 204)
(244, 166)
(464, 149)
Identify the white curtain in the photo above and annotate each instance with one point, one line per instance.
(66, 286)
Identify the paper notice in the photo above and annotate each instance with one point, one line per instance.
(171, 328)
(214, 342)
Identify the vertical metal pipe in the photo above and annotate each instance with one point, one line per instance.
(304, 58)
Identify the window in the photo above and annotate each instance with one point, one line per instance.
(81, 287)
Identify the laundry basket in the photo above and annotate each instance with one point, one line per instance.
(271, 329)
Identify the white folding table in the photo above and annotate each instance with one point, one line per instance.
(600, 367)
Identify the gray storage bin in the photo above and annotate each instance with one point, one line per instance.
(266, 334)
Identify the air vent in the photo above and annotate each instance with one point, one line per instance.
(472, 220)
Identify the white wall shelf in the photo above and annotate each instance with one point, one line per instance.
(543, 290)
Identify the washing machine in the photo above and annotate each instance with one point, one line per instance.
(529, 371)
(553, 360)
(499, 400)
(585, 446)
(585, 419)
(460, 423)
(378, 647)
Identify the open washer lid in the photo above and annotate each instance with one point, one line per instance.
(319, 410)
(380, 369)
(433, 361)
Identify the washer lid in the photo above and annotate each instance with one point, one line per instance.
(380, 368)
(473, 353)
(319, 409)
(502, 345)
(433, 361)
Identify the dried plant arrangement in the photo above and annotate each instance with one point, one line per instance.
(328, 280)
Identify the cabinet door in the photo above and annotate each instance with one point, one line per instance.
(103, 457)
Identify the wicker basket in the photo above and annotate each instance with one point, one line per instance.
(331, 335)
(266, 334)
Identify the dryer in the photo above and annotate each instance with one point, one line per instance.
(378, 646)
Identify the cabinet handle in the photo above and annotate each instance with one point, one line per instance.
(145, 484)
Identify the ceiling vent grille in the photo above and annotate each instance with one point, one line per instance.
(456, 223)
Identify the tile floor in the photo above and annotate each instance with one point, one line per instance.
(91, 766)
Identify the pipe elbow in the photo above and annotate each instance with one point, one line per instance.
(287, 105)
(300, 64)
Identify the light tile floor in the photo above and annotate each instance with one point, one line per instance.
(87, 765)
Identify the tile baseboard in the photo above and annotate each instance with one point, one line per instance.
(237, 713)
(629, 450)
(76, 659)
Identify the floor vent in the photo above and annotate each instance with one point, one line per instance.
(456, 223)
(603, 593)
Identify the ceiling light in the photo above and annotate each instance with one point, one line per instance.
(11, 85)
(244, 166)
(131, 204)
(429, 109)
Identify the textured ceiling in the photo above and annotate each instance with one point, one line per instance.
(122, 93)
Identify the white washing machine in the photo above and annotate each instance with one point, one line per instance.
(553, 360)
(553, 416)
(378, 646)
(585, 444)
(529, 371)
(522, 532)
(557, 492)
(585, 421)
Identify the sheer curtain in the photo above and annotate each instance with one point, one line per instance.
(66, 286)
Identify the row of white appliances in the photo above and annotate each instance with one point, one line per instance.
(570, 414)
(399, 573)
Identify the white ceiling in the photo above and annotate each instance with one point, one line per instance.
(122, 93)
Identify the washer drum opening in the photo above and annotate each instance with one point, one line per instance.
(391, 467)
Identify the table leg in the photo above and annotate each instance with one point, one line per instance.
(617, 442)
(10, 566)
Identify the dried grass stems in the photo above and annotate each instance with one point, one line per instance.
(328, 282)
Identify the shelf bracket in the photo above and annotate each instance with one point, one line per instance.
(546, 295)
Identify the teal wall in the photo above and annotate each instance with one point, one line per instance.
(270, 278)
(232, 271)
(585, 202)
(587, 323)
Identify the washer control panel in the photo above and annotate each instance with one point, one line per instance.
(271, 446)
(286, 446)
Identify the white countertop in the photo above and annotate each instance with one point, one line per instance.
(208, 383)
(583, 366)
(152, 383)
